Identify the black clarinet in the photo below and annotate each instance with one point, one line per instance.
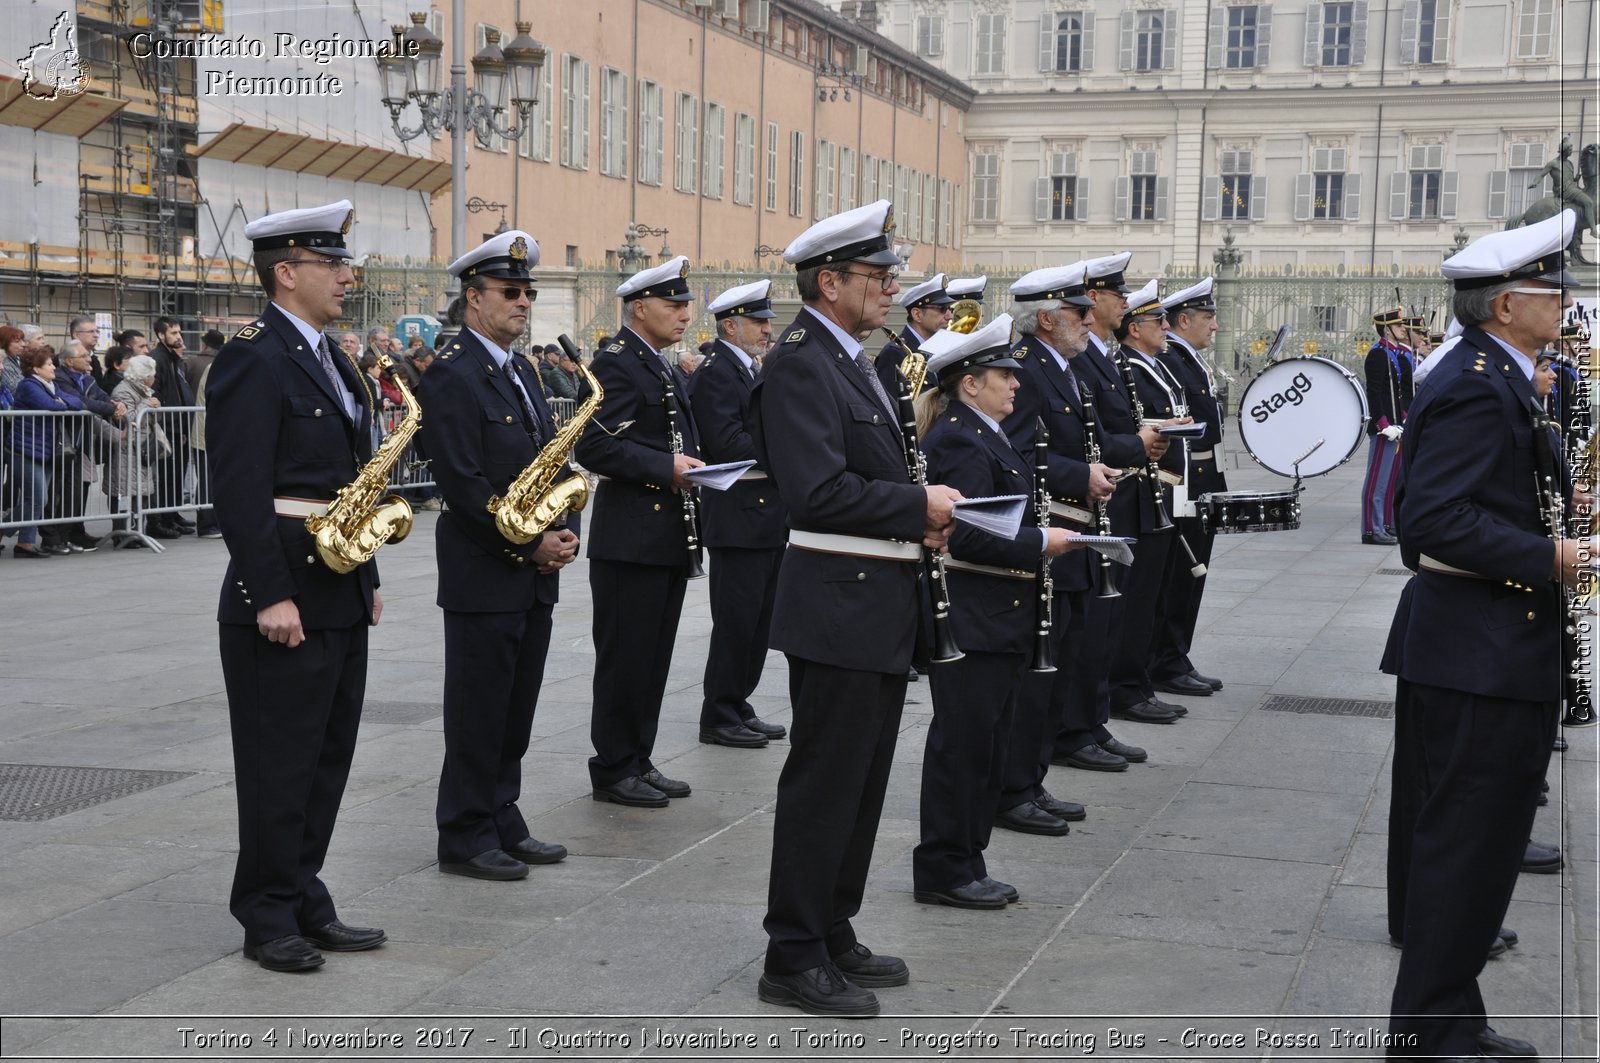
(945, 649)
(691, 513)
(1102, 510)
(1152, 468)
(1043, 585)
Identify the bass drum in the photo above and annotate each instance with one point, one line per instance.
(1297, 402)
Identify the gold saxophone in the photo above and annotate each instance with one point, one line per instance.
(361, 518)
(535, 499)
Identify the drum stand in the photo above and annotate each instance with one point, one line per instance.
(1309, 451)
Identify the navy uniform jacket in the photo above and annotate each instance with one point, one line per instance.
(475, 430)
(1388, 388)
(276, 428)
(1205, 475)
(1046, 391)
(1161, 395)
(1132, 510)
(1467, 499)
(988, 613)
(637, 516)
(749, 514)
(890, 355)
(839, 463)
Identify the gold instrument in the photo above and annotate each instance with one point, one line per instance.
(538, 498)
(965, 315)
(361, 517)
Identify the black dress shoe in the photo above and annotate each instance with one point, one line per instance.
(736, 735)
(670, 787)
(336, 937)
(1171, 706)
(1029, 818)
(1070, 811)
(762, 727)
(531, 850)
(1379, 540)
(1183, 684)
(492, 864)
(1129, 753)
(1007, 890)
(1498, 1044)
(86, 543)
(1540, 859)
(288, 953)
(28, 553)
(1144, 712)
(820, 991)
(865, 968)
(159, 531)
(1092, 758)
(974, 895)
(1559, 745)
(633, 792)
(1509, 936)
(1211, 681)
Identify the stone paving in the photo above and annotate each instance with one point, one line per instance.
(1232, 887)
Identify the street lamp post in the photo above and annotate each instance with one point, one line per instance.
(411, 74)
(631, 258)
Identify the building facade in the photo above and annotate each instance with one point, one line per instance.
(1327, 134)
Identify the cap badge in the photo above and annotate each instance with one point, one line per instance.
(519, 249)
(684, 272)
(888, 221)
(349, 220)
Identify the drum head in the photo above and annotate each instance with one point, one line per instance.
(1296, 402)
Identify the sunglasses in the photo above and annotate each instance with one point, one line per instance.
(513, 293)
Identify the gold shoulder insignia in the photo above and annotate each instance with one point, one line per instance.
(249, 332)
(796, 336)
(614, 348)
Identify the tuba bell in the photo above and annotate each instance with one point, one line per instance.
(965, 315)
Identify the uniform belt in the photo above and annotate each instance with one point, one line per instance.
(987, 570)
(1201, 455)
(855, 545)
(1439, 568)
(300, 507)
(1070, 511)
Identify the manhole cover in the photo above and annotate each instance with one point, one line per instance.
(1327, 706)
(1394, 572)
(33, 792)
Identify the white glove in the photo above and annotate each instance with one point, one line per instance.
(1391, 433)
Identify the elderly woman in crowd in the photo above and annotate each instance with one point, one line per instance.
(113, 361)
(30, 443)
(12, 343)
(129, 471)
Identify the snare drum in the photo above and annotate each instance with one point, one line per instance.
(1228, 512)
(1291, 405)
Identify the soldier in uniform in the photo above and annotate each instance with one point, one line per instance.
(846, 612)
(927, 311)
(1389, 368)
(639, 554)
(1475, 643)
(992, 615)
(486, 422)
(1191, 326)
(1058, 713)
(290, 424)
(744, 525)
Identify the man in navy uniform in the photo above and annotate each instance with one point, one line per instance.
(1476, 639)
(927, 311)
(847, 608)
(1191, 326)
(290, 424)
(1389, 368)
(486, 421)
(1057, 712)
(744, 525)
(639, 550)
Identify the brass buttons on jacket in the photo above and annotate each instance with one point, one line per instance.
(316, 413)
(658, 507)
(860, 576)
(1530, 616)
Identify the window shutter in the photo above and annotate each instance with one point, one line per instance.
(1449, 186)
(1041, 199)
(1410, 14)
(1169, 39)
(1399, 194)
(1313, 53)
(1497, 193)
(1304, 189)
(1087, 50)
(1126, 63)
(1352, 197)
(607, 133)
(1047, 40)
(1080, 202)
(1441, 32)
(1210, 198)
(1358, 34)
(727, 8)
(758, 15)
(1121, 209)
(1217, 39)
(936, 37)
(1161, 199)
(1263, 35)
(622, 130)
(1258, 197)
(583, 124)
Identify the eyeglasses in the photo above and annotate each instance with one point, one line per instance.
(885, 280)
(512, 293)
(1537, 291)
(332, 265)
